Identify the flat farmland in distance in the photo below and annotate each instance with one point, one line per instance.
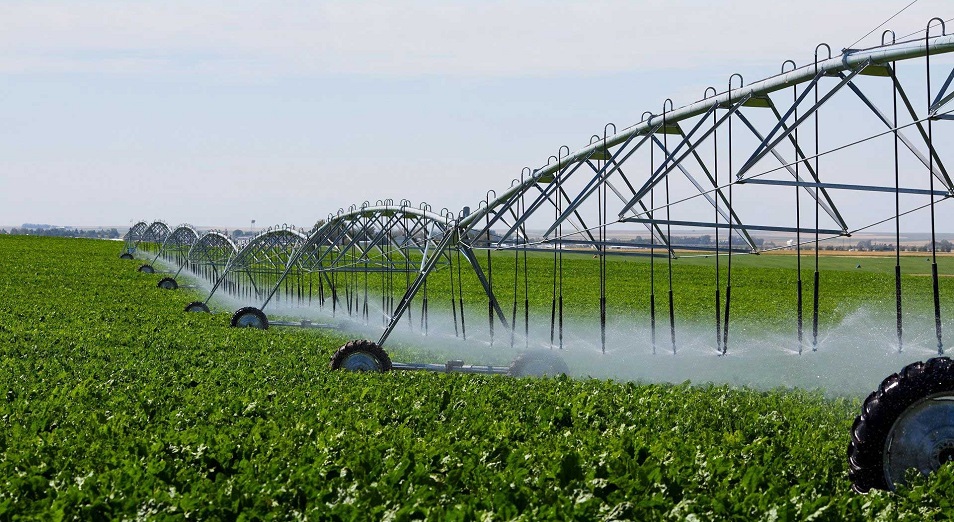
(115, 404)
(764, 287)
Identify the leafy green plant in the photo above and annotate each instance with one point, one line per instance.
(116, 404)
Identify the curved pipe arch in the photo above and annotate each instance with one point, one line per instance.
(133, 236)
(363, 229)
(831, 66)
(212, 241)
(270, 238)
(320, 235)
(178, 243)
(184, 234)
(157, 232)
(135, 232)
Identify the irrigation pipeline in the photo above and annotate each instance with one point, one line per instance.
(748, 178)
(832, 66)
(351, 241)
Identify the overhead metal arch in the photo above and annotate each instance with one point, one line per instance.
(156, 232)
(703, 156)
(719, 165)
(258, 264)
(385, 239)
(175, 249)
(135, 232)
(153, 237)
(133, 236)
(185, 233)
(209, 256)
(366, 231)
(876, 59)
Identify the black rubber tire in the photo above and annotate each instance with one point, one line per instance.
(250, 317)
(146, 269)
(168, 283)
(125, 255)
(197, 306)
(871, 430)
(340, 359)
(538, 363)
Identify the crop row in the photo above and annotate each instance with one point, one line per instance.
(118, 405)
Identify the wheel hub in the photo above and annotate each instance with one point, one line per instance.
(922, 438)
(197, 306)
(249, 320)
(361, 362)
(945, 452)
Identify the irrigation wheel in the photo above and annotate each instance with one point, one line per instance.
(538, 363)
(168, 283)
(908, 422)
(197, 306)
(361, 356)
(250, 317)
(125, 255)
(147, 269)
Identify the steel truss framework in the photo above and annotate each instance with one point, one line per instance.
(209, 256)
(256, 266)
(133, 236)
(331, 265)
(687, 142)
(175, 249)
(153, 237)
(148, 238)
(712, 164)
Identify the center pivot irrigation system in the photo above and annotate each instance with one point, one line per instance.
(812, 154)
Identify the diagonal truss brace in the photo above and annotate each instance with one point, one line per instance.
(666, 167)
(940, 171)
(941, 100)
(828, 205)
(602, 174)
(766, 145)
(740, 228)
(545, 195)
(453, 237)
(653, 228)
(579, 224)
(763, 146)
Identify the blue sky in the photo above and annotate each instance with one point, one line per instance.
(216, 113)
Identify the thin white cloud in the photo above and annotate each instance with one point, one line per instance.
(409, 38)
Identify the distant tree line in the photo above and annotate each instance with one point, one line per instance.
(865, 245)
(869, 246)
(110, 233)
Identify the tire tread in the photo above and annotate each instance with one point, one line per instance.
(249, 309)
(360, 345)
(880, 410)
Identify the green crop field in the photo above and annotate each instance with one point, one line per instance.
(115, 404)
(763, 287)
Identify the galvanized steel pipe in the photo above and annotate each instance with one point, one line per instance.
(847, 61)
